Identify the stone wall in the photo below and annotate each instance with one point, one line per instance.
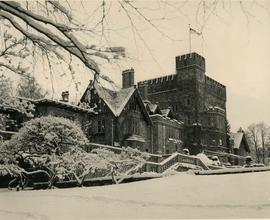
(166, 135)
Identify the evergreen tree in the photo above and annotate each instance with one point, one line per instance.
(228, 131)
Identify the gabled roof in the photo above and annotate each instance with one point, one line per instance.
(116, 100)
(237, 138)
(152, 108)
(167, 113)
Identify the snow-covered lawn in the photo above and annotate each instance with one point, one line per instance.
(180, 196)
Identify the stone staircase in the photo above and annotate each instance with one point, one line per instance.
(171, 161)
(157, 163)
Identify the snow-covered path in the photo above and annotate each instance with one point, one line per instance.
(180, 196)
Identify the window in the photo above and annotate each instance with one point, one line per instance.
(101, 126)
(187, 102)
(220, 142)
(133, 105)
(209, 121)
(188, 120)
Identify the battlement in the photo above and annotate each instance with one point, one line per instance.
(213, 82)
(190, 60)
(215, 88)
(158, 80)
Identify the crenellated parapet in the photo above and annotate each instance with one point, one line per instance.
(158, 80)
(190, 60)
(213, 82)
(163, 83)
(214, 87)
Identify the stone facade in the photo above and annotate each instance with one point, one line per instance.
(195, 99)
(167, 135)
(167, 132)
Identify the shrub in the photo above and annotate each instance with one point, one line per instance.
(46, 135)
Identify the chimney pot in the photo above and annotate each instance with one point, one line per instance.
(128, 78)
(65, 96)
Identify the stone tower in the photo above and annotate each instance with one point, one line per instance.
(196, 99)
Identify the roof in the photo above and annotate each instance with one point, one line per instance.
(167, 112)
(63, 104)
(115, 100)
(135, 137)
(237, 138)
(152, 108)
(4, 108)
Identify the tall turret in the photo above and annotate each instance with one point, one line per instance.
(190, 63)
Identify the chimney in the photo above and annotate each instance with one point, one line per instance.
(65, 96)
(128, 78)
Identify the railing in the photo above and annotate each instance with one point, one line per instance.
(173, 159)
(91, 146)
(158, 167)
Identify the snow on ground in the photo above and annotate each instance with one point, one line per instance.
(179, 196)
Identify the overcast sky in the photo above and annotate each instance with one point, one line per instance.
(235, 44)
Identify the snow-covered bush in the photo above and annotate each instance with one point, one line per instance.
(53, 146)
(128, 158)
(47, 135)
(75, 164)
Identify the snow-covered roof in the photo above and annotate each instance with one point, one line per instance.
(115, 100)
(153, 108)
(134, 137)
(237, 138)
(63, 104)
(166, 112)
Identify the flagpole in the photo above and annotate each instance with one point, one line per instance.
(189, 38)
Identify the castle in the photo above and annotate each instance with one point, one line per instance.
(194, 98)
(160, 116)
